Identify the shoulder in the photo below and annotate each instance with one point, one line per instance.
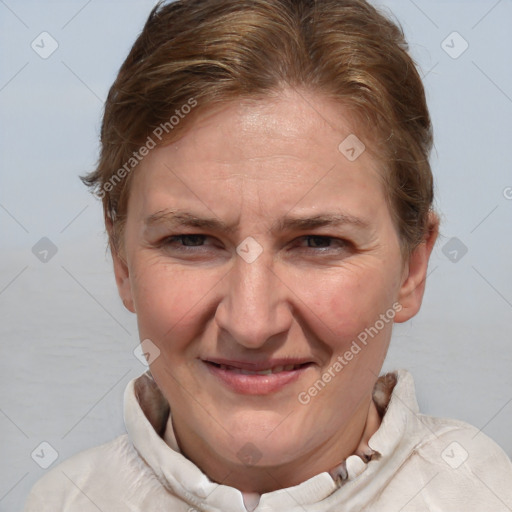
(437, 463)
(460, 466)
(79, 483)
(460, 445)
(450, 443)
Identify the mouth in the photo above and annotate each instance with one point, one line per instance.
(257, 378)
(266, 371)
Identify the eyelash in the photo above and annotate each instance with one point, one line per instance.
(170, 240)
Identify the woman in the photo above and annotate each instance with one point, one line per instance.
(268, 198)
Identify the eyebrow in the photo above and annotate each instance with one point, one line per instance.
(185, 219)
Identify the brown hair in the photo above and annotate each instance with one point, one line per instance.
(206, 52)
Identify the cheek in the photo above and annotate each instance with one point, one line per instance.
(168, 299)
(346, 303)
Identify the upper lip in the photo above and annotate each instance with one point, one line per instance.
(256, 366)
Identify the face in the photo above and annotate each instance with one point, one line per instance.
(254, 243)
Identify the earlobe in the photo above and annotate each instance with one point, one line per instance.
(415, 273)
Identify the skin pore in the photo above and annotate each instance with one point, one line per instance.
(329, 265)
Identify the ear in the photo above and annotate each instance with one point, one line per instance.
(121, 272)
(415, 273)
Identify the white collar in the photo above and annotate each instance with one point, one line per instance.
(185, 479)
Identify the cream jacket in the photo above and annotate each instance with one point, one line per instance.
(422, 463)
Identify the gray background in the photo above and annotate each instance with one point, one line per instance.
(67, 342)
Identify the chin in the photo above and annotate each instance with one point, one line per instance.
(259, 451)
(265, 439)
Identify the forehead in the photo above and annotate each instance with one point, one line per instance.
(297, 147)
(290, 124)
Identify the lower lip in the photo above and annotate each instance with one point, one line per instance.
(256, 384)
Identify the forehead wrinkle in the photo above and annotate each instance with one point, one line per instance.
(283, 224)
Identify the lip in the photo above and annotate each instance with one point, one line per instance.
(256, 366)
(256, 384)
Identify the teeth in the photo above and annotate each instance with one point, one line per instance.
(261, 372)
(269, 371)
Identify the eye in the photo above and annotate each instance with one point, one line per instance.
(325, 242)
(187, 240)
(317, 244)
(193, 248)
(318, 241)
(196, 243)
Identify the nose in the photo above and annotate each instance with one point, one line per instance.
(254, 306)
